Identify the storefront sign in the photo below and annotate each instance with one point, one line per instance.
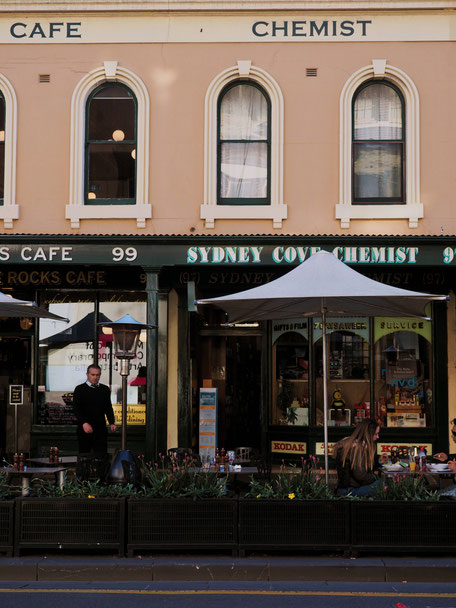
(298, 326)
(157, 252)
(384, 326)
(385, 448)
(358, 326)
(289, 447)
(158, 28)
(208, 422)
(16, 394)
(136, 414)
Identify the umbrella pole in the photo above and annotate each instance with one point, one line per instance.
(325, 391)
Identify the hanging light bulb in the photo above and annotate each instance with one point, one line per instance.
(133, 154)
(2, 135)
(91, 195)
(118, 135)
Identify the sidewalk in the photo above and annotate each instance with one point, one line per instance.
(201, 568)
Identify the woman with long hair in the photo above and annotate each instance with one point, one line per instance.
(356, 460)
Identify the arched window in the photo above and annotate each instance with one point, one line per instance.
(378, 144)
(110, 152)
(2, 148)
(379, 176)
(243, 145)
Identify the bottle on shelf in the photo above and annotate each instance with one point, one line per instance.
(16, 462)
(21, 462)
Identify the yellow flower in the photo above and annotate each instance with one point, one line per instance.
(258, 495)
(291, 496)
(89, 496)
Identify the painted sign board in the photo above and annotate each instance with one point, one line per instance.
(208, 402)
(16, 394)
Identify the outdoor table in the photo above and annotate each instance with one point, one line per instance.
(62, 460)
(25, 476)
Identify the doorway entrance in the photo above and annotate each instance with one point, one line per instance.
(231, 361)
(15, 368)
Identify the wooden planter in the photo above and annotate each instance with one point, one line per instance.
(403, 526)
(293, 524)
(70, 523)
(168, 524)
(6, 526)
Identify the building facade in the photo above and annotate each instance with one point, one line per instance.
(152, 154)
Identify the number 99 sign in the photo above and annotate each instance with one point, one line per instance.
(128, 254)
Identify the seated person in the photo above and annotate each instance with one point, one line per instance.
(356, 460)
(442, 457)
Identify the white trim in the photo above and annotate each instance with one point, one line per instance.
(9, 211)
(412, 210)
(277, 210)
(76, 210)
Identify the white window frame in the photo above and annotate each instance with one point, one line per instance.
(9, 211)
(76, 208)
(412, 209)
(276, 210)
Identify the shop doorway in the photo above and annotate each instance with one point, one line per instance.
(15, 368)
(231, 362)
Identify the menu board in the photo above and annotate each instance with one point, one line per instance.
(208, 422)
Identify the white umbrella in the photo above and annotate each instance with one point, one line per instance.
(11, 307)
(321, 286)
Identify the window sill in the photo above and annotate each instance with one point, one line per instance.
(276, 213)
(8, 213)
(140, 213)
(410, 212)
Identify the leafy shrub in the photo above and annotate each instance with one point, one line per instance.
(404, 487)
(75, 488)
(292, 483)
(180, 480)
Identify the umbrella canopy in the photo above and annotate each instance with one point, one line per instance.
(320, 282)
(82, 331)
(321, 286)
(11, 307)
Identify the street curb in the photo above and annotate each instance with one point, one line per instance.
(202, 569)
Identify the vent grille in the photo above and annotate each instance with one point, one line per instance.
(311, 71)
(44, 78)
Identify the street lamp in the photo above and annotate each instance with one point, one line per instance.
(125, 334)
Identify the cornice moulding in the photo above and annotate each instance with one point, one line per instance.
(91, 6)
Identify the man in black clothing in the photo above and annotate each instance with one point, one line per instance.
(91, 404)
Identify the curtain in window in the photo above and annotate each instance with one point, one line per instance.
(378, 138)
(244, 146)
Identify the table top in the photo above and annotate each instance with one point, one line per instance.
(62, 460)
(31, 471)
(245, 470)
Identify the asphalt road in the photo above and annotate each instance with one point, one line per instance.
(229, 595)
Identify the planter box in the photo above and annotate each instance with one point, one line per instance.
(70, 523)
(403, 526)
(293, 524)
(168, 524)
(6, 526)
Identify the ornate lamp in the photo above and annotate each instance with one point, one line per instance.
(125, 333)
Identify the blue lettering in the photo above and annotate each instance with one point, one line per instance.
(255, 28)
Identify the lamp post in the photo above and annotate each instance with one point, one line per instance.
(125, 334)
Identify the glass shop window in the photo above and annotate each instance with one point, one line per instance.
(291, 368)
(403, 373)
(65, 352)
(67, 349)
(113, 306)
(348, 370)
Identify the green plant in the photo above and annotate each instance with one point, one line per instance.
(4, 489)
(172, 480)
(75, 488)
(404, 487)
(292, 483)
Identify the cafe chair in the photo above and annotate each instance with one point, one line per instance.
(242, 455)
(263, 464)
(92, 467)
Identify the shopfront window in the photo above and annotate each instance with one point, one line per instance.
(349, 369)
(291, 368)
(67, 349)
(403, 372)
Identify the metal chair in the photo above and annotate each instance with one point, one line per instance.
(243, 455)
(91, 467)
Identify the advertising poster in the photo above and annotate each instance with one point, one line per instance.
(208, 422)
